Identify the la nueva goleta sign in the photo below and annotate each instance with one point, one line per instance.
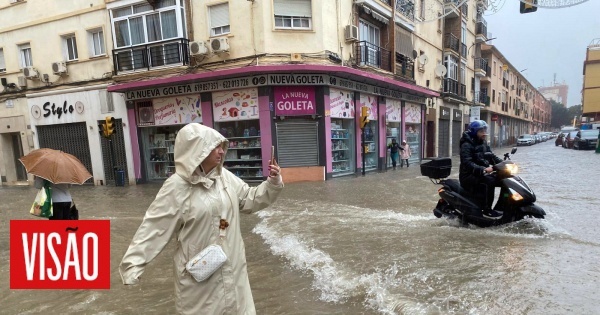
(270, 80)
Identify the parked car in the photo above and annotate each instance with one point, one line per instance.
(586, 139)
(525, 139)
(569, 138)
(559, 139)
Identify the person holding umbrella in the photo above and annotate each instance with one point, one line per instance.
(59, 170)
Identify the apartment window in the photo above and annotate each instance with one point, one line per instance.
(463, 72)
(451, 64)
(25, 56)
(370, 51)
(292, 14)
(493, 96)
(219, 19)
(494, 68)
(463, 33)
(422, 10)
(96, 38)
(2, 63)
(70, 47)
(140, 24)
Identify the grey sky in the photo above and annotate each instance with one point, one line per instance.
(547, 41)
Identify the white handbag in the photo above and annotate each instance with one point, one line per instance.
(205, 263)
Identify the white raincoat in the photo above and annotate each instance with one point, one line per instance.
(189, 206)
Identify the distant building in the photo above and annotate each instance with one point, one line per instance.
(557, 92)
(591, 83)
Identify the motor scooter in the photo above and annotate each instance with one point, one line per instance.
(516, 199)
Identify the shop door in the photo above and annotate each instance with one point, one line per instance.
(444, 138)
(297, 143)
(69, 138)
(430, 138)
(17, 153)
(456, 134)
(118, 143)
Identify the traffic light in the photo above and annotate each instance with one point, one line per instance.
(364, 117)
(102, 129)
(109, 126)
(528, 6)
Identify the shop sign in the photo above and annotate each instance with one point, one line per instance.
(457, 115)
(296, 100)
(393, 110)
(412, 113)
(235, 105)
(297, 79)
(341, 103)
(177, 110)
(444, 113)
(495, 117)
(475, 113)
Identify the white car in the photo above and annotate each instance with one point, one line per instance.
(525, 139)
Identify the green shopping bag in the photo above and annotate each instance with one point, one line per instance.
(42, 205)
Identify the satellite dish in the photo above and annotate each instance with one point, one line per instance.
(415, 54)
(423, 59)
(440, 70)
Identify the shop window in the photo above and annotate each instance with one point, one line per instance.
(243, 157)
(342, 146)
(159, 149)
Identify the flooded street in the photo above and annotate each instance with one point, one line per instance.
(365, 245)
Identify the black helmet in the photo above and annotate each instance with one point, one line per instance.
(475, 126)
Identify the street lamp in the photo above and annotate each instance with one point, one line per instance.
(487, 40)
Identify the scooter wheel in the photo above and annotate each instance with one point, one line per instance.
(437, 213)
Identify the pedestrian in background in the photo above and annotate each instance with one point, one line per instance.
(61, 199)
(406, 153)
(394, 148)
(200, 205)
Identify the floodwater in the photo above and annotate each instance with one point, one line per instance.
(366, 245)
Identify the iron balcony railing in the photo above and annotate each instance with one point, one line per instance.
(453, 87)
(481, 64)
(166, 53)
(465, 9)
(405, 67)
(481, 26)
(482, 97)
(406, 8)
(451, 42)
(455, 2)
(374, 56)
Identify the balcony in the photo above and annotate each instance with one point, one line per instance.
(174, 52)
(451, 8)
(406, 8)
(451, 42)
(368, 54)
(481, 30)
(454, 88)
(482, 97)
(481, 67)
(405, 68)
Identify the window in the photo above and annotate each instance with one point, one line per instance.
(370, 52)
(219, 19)
(422, 10)
(494, 68)
(96, 38)
(292, 14)
(493, 96)
(2, 63)
(139, 24)
(463, 72)
(25, 56)
(451, 64)
(463, 33)
(70, 47)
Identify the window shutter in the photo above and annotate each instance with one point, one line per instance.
(219, 15)
(404, 44)
(299, 8)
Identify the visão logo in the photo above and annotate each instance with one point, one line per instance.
(71, 254)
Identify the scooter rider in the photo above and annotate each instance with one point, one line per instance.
(475, 169)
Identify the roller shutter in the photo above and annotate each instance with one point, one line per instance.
(297, 143)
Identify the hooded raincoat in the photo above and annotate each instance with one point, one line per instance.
(189, 206)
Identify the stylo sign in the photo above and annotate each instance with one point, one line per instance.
(70, 254)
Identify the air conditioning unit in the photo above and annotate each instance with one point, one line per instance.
(351, 33)
(30, 72)
(22, 81)
(219, 45)
(198, 49)
(59, 67)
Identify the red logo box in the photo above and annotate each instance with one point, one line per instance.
(70, 254)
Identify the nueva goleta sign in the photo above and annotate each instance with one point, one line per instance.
(270, 79)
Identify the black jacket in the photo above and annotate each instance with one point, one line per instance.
(394, 147)
(472, 160)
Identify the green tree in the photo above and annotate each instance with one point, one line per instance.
(560, 115)
(575, 110)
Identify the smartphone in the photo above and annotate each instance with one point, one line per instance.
(272, 154)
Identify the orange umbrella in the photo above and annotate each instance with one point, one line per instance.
(55, 166)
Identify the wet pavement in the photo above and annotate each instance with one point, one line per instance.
(364, 245)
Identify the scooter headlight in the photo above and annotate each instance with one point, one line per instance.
(515, 195)
(513, 169)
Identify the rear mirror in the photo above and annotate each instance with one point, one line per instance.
(513, 151)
